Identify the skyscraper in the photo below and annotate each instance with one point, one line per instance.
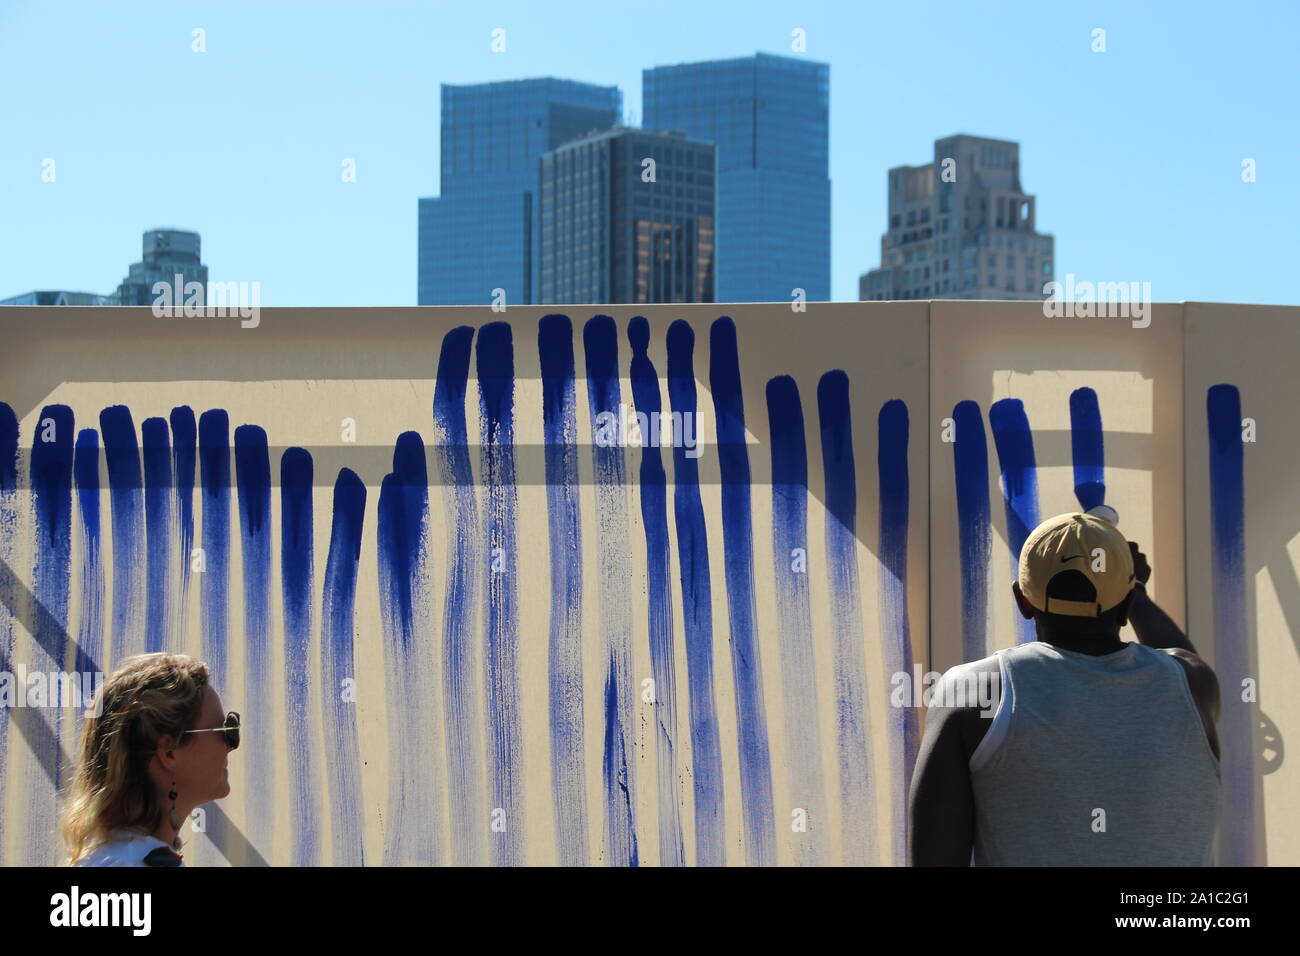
(627, 216)
(768, 117)
(481, 233)
(961, 227)
(59, 297)
(168, 253)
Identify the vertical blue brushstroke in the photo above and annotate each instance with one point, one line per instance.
(342, 754)
(184, 454)
(214, 580)
(460, 657)
(659, 598)
(253, 491)
(8, 532)
(51, 482)
(600, 344)
(122, 454)
(1015, 445)
(697, 610)
(414, 823)
(904, 738)
(857, 784)
(296, 589)
(496, 382)
(155, 443)
(751, 719)
(1231, 625)
(789, 452)
(90, 619)
(1088, 449)
(560, 435)
(970, 463)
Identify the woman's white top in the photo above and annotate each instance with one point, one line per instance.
(124, 848)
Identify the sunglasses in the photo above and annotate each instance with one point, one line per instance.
(229, 730)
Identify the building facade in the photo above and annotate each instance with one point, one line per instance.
(961, 227)
(59, 297)
(168, 253)
(627, 215)
(768, 117)
(481, 233)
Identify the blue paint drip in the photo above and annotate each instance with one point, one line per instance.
(1088, 449)
(460, 659)
(970, 462)
(600, 343)
(496, 382)
(697, 611)
(8, 528)
(253, 490)
(8, 449)
(342, 753)
(659, 598)
(214, 581)
(156, 444)
(857, 796)
(733, 459)
(184, 458)
(90, 626)
(122, 453)
(296, 587)
(51, 478)
(1231, 623)
(1015, 445)
(560, 434)
(789, 455)
(891, 460)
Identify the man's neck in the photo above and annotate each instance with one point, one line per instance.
(1095, 645)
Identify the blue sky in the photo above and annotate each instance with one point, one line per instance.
(1134, 154)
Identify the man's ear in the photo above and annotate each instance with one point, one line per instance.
(1121, 609)
(1022, 602)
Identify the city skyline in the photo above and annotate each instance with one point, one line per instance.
(1156, 158)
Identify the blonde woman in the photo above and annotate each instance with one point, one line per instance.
(156, 750)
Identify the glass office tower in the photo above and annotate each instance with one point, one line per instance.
(167, 253)
(482, 232)
(769, 118)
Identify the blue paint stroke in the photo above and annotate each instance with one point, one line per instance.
(895, 628)
(155, 442)
(970, 463)
(122, 454)
(8, 535)
(90, 617)
(184, 458)
(338, 671)
(600, 343)
(214, 576)
(463, 560)
(659, 597)
(51, 479)
(414, 823)
(253, 492)
(738, 561)
(1231, 625)
(560, 435)
(1015, 445)
(857, 783)
(789, 452)
(296, 589)
(697, 611)
(1087, 446)
(496, 383)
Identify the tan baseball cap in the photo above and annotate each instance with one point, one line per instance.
(1076, 542)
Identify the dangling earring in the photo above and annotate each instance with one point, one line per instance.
(171, 814)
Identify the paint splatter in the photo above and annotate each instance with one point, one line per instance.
(737, 536)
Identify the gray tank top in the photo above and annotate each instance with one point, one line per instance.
(1075, 735)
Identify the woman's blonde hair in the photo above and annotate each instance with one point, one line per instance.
(148, 696)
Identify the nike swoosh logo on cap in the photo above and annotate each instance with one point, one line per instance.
(1071, 558)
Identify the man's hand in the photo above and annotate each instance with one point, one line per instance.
(1141, 569)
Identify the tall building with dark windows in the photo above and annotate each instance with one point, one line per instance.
(768, 117)
(481, 233)
(168, 253)
(627, 215)
(961, 227)
(59, 297)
